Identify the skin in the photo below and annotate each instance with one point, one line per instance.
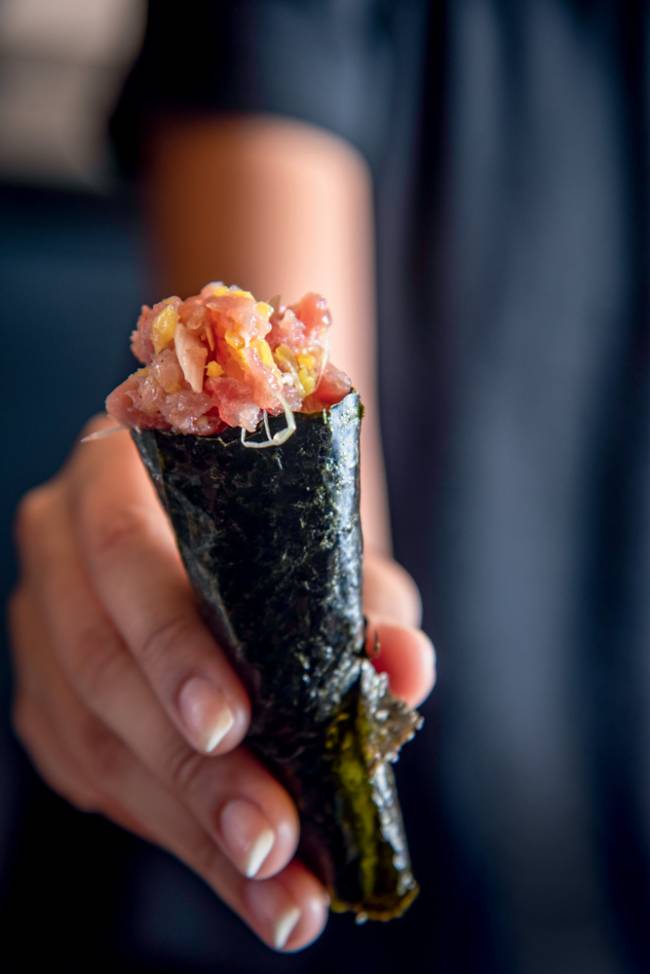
(280, 208)
(105, 632)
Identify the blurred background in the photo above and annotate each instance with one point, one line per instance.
(69, 250)
(70, 271)
(527, 796)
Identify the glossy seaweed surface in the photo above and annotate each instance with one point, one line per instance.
(271, 540)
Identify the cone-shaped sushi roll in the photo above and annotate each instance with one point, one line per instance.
(261, 484)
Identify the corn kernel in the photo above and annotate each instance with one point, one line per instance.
(234, 340)
(263, 349)
(284, 356)
(164, 328)
(221, 290)
(307, 381)
(264, 309)
(306, 360)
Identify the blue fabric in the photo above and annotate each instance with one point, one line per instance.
(315, 61)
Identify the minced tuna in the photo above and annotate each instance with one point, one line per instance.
(221, 358)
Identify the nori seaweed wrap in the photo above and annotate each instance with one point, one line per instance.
(271, 540)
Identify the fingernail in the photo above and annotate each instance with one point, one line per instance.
(274, 909)
(285, 926)
(205, 713)
(247, 835)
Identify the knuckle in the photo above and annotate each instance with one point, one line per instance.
(95, 661)
(111, 533)
(167, 639)
(89, 802)
(103, 754)
(73, 792)
(29, 514)
(35, 740)
(120, 814)
(184, 769)
(77, 794)
(201, 853)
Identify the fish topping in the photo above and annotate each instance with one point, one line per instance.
(221, 358)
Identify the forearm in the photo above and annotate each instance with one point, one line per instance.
(280, 208)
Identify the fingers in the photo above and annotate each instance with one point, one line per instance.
(389, 591)
(130, 554)
(73, 748)
(50, 758)
(235, 799)
(290, 910)
(394, 644)
(406, 655)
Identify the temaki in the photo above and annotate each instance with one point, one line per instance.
(251, 437)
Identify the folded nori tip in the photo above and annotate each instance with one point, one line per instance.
(271, 539)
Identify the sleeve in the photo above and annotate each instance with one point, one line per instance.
(326, 62)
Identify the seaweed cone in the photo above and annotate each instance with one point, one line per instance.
(271, 539)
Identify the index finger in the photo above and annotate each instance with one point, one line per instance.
(129, 550)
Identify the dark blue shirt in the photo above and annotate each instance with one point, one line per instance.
(509, 148)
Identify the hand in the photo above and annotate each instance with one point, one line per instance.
(128, 707)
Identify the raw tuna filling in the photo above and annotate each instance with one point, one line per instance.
(221, 359)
